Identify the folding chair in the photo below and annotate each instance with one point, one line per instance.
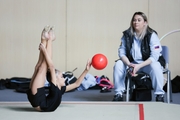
(165, 53)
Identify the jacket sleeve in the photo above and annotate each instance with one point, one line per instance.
(155, 47)
(122, 50)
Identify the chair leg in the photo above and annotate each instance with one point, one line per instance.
(127, 89)
(169, 87)
(168, 92)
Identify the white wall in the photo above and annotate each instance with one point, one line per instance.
(83, 28)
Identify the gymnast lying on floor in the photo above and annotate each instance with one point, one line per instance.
(36, 93)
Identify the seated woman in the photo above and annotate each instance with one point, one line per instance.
(140, 50)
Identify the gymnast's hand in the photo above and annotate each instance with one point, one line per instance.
(42, 47)
(88, 65)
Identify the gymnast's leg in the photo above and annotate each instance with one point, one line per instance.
(49, 41)
(39, 76)
(44, 38)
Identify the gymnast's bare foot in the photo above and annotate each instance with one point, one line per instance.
(45, 35)
(51, 34)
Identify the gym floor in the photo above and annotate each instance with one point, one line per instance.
(88, 105)
(93, 111)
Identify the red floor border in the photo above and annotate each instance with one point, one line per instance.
(141, 112)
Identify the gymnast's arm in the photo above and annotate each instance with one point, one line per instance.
(49, 63)
(80, 79)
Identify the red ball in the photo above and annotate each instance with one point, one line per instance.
(99, 61)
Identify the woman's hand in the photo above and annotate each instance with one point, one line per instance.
(135, 68)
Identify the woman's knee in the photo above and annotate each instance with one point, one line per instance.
(155, 66)
(119, 66)
(155, 69)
